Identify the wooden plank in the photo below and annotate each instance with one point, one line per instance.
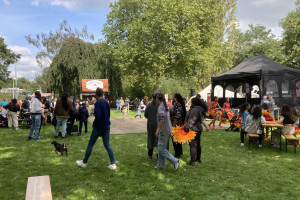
(253, 135)
(272, 125)
(290, 137)
(38, 188)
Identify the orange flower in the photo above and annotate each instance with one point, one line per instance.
(180, 136)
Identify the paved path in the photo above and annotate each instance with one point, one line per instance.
(133, 125)
(127, 125)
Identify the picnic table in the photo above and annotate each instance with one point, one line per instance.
(272, 125)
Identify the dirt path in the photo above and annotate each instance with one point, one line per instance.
(132, 125)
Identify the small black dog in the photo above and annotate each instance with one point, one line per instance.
(60, 148)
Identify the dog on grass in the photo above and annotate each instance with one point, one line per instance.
(60, 148)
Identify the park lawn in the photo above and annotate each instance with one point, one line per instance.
(227, 172)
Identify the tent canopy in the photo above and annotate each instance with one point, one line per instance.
(272, 79)
(256, 66)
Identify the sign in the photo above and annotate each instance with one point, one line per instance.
(90, 85)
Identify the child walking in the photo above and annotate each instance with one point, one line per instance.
(139, 112)
(124, 112)
(83, 116)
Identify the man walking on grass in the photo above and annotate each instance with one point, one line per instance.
(101, 128)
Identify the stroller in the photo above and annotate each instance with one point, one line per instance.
(3, 122)
(24, 114)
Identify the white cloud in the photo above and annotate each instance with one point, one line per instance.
(27, 66)
(6, 2)
(264, 2)
(76, 4)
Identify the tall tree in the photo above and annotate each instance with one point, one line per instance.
(256, 41)
(172, 38)
(49, 44)
(291, 37)
(7, 57)
(75, 60)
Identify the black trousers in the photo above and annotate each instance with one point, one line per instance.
(243, 133)
(80, 126)
(177, 149)
(195, 147)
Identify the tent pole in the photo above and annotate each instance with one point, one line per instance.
(262, 85)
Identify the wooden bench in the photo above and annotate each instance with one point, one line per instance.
(252, 135)
(292, 138)
(38, 188)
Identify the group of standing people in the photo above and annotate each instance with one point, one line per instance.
(161, 119)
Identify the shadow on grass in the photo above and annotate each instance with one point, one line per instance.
(228, 171)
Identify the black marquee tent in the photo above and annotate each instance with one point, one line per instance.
(258, 76)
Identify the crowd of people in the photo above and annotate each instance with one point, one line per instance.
(161, 119)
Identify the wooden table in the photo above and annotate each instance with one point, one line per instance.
(280, 126)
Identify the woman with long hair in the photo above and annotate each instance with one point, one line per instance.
(177, 119)
(288, 118)
(151, 115)
(36, 112)
(163, 132)
(213, 112)
(63, 108)
(254, 121)
(194, 122)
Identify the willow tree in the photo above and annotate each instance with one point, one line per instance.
(74, 61)
(175, 38)
(50, 43)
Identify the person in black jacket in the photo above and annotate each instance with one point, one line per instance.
(83, 116)
(194, 122)
(12, 108)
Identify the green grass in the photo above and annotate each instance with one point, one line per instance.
(227, 172)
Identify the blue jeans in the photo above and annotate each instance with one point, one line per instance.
(35, 126)
(105, 137)
(163, 152)
(63, 121)
(118, 107)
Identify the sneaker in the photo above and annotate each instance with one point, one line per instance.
(242, 144)
(177, 165)
(112, 166)
(29, 138)
(81, 164)
(17, 129)
(260, 145)
(35, 139)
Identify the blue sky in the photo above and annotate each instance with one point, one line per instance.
(22, 17)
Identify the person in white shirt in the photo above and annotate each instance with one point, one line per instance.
(36, 112)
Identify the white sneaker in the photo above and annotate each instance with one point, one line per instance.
(112, 166)
(242, 144)
(81, 164)
(17, 129)
(260, 145)
(177, 165)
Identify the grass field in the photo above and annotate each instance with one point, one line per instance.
(227, 172)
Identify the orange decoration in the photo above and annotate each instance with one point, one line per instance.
(268, 115)
(297, 129)
(180, 136)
